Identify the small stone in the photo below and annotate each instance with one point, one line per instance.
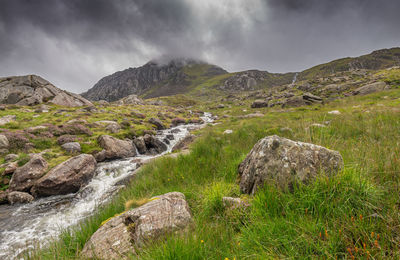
(73, 147)
(19, 197)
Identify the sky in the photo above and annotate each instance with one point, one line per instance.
(74, 43)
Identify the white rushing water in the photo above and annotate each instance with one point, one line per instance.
(295, 78)
(25, 227)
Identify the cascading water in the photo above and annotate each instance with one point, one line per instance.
(23, 227)
(295, 78)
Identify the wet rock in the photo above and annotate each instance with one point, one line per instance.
(124, 234)
(15, 197)
(157, 122)
(3, 197)
(282, 161)
(178, 121)
(259, 103)
(72, 147)
(4, 144)
(184, 143)
(170, 137)
(7, 119)
(153, 145)
(175, 131)
(25, 176)
(67, 177)
(115, 148)
(370, 88)
(140, 145)
(66, 139)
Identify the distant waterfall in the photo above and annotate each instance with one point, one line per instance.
(295, 78)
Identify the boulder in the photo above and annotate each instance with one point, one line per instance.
(7, 119)
(284, 162)
(10, 157)
(3, 197)
(25, 177)
(305, 99)
(115, 148)
(113, 128)
(140, 145)
(66, 139)
(72, 147)
(184, 143)
(4, 144)
(130, 100)
(178, 121)
(32, 90)
(67, 177)
(123, 234)
(157, 122)
(259, 103)
(234, 203)
(370, 88)
(19, 197)
(10, 168)
(153, 145)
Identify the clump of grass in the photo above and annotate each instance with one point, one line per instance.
(23, 158)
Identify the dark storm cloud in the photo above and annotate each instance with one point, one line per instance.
(73, 43)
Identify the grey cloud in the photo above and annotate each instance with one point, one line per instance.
(74, 43)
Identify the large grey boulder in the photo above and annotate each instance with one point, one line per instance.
(115, 148)
(283, 162)
(121, 235)
(72, 147)
(153, 145)
(370, 88)
(67, 177)
(25, 176)
(32, 90)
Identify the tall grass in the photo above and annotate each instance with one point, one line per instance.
(352, 215)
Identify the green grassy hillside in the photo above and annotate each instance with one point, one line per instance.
(374, 61)
(352, 215)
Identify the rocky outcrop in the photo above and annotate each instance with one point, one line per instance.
(163, 78)
(234, 203)
(32, 90)
(157, 122)
(184, 143)
(19, 197)
(370, 88)
(122, 235)
(283, 162)
(259, 103)
(114, 148)
(67, 177)
(305, 99)
(25, 177)
(130, 100)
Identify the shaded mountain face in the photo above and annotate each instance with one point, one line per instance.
(151, 80)
(32, 90)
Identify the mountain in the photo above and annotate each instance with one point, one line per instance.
(152, 79)
(32, 90)
(180, 76)
(376, 60)
(197, 78)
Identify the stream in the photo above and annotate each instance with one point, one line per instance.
(27, 226)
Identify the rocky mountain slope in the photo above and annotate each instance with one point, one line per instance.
(32, 90)
(177, 77)
(196, 78)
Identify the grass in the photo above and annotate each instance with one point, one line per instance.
(352, 215)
